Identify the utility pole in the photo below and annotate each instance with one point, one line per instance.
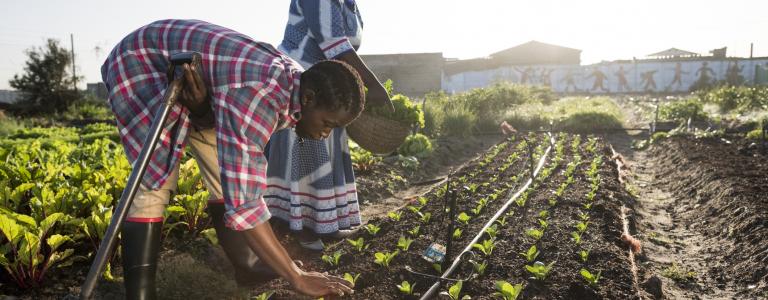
(74, 75)
(751, 48)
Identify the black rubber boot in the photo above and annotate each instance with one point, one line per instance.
(141, 245)
(248, 270)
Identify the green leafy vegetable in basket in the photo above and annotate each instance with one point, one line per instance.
(406, 112)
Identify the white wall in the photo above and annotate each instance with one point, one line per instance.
(584, 79)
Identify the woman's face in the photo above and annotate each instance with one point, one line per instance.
(317, 122)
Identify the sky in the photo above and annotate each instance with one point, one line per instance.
(602, 29)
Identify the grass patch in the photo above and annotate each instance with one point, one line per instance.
(574, 114)
(678, 273)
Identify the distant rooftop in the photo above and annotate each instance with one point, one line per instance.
(673, 53)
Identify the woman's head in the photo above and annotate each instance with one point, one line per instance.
(332, 95)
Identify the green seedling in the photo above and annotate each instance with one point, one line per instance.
(415, 209)
(332, 260)
(415, 231)
(584, 217)
(507, 291)
(406, 287)
(544, 214)
(464, 218)
(552, 202)
(359, 244)
(473, 187)
(477, 210)
(438, 268)
(265, 295)
(584, 255)
(454, 292)
(531, 254)
(544, 224)
(372, 229)
(576, 237)
(539, 270)
(503, 221)
(351, 278)
(589, 277)
(404, 243)
(486, 246)
(384, 258)
(395, 216)
(492, 231)
(423, 201)
(581, 227)
(587, 206)
(457, 233)
(535, 234)
(479, 267)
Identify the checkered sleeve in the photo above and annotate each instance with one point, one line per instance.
(326, 23)
(246, 120)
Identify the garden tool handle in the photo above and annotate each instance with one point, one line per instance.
(134, 180)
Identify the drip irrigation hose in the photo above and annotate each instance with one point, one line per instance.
(457, 261)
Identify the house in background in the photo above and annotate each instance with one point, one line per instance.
(412, 74)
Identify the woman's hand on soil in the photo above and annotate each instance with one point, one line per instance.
(319, 284)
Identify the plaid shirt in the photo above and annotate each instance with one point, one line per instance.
(254, 91)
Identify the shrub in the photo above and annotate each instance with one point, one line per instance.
(739, 98)
(406, 112)
(682, 110)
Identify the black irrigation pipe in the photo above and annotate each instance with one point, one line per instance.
(457, 261)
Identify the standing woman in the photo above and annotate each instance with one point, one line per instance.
(311, 184)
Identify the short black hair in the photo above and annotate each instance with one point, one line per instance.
(337, 85)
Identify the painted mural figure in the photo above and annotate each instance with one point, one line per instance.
(733, 74)
(648, 81)
(525, 74)
(678, 76)
(623, 84)
(545, 77)
(569, 81)
(599, 79)
(705, 74)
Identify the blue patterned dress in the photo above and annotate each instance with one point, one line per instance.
(311, 184)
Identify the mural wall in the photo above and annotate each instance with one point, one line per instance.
(616, 77)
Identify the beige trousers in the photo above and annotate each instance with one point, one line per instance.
(149, 205)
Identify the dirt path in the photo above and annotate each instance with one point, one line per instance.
(679, 260)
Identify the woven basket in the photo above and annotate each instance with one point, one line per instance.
(377, 134)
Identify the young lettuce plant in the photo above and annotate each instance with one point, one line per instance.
(584, 255)
(372, 229)
(503, 221)
(539, 270)
(454, 292)
(479, 267)
(589, 277)
(581, 227)
(457, 233)
(384, 258)
(576, 237)
(425, 217)
(535, 234)
(492, 231)
(351, 278)
(486, 246)
(464, 218)
(359, 244)
(264, 296)
(404, 243)
(406, 287)
(415, 209)
(507, 291)
(332, 260)
(414, 231)
(395, 216)
(531, 254)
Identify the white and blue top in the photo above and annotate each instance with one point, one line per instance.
(321, 29)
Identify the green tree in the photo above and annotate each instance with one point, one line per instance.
(46, 86)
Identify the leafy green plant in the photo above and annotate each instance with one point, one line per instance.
(384, 258)
(502, 221)
(486, 247)
(492, 231)
(332, 260)
(534, 233)
(422, 201)
(417, 145)
(395, 216)
(414, 231)
(544, 224)
(406, 287)
(464, 218)
(406, 112)
(584, 217)
(351, 278)
(438, 268)
(479, 267)
(457, 233)
(584, 255)
(454, 292)
(531, 254)
(425, 217)
(372, 229)
(507, 291)
(589, 277)
(359, 244)
(29, 251)
(404, 243)
(576, 237)
(581, 227)
(544, 214)
(539, 270)
(264, 296)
